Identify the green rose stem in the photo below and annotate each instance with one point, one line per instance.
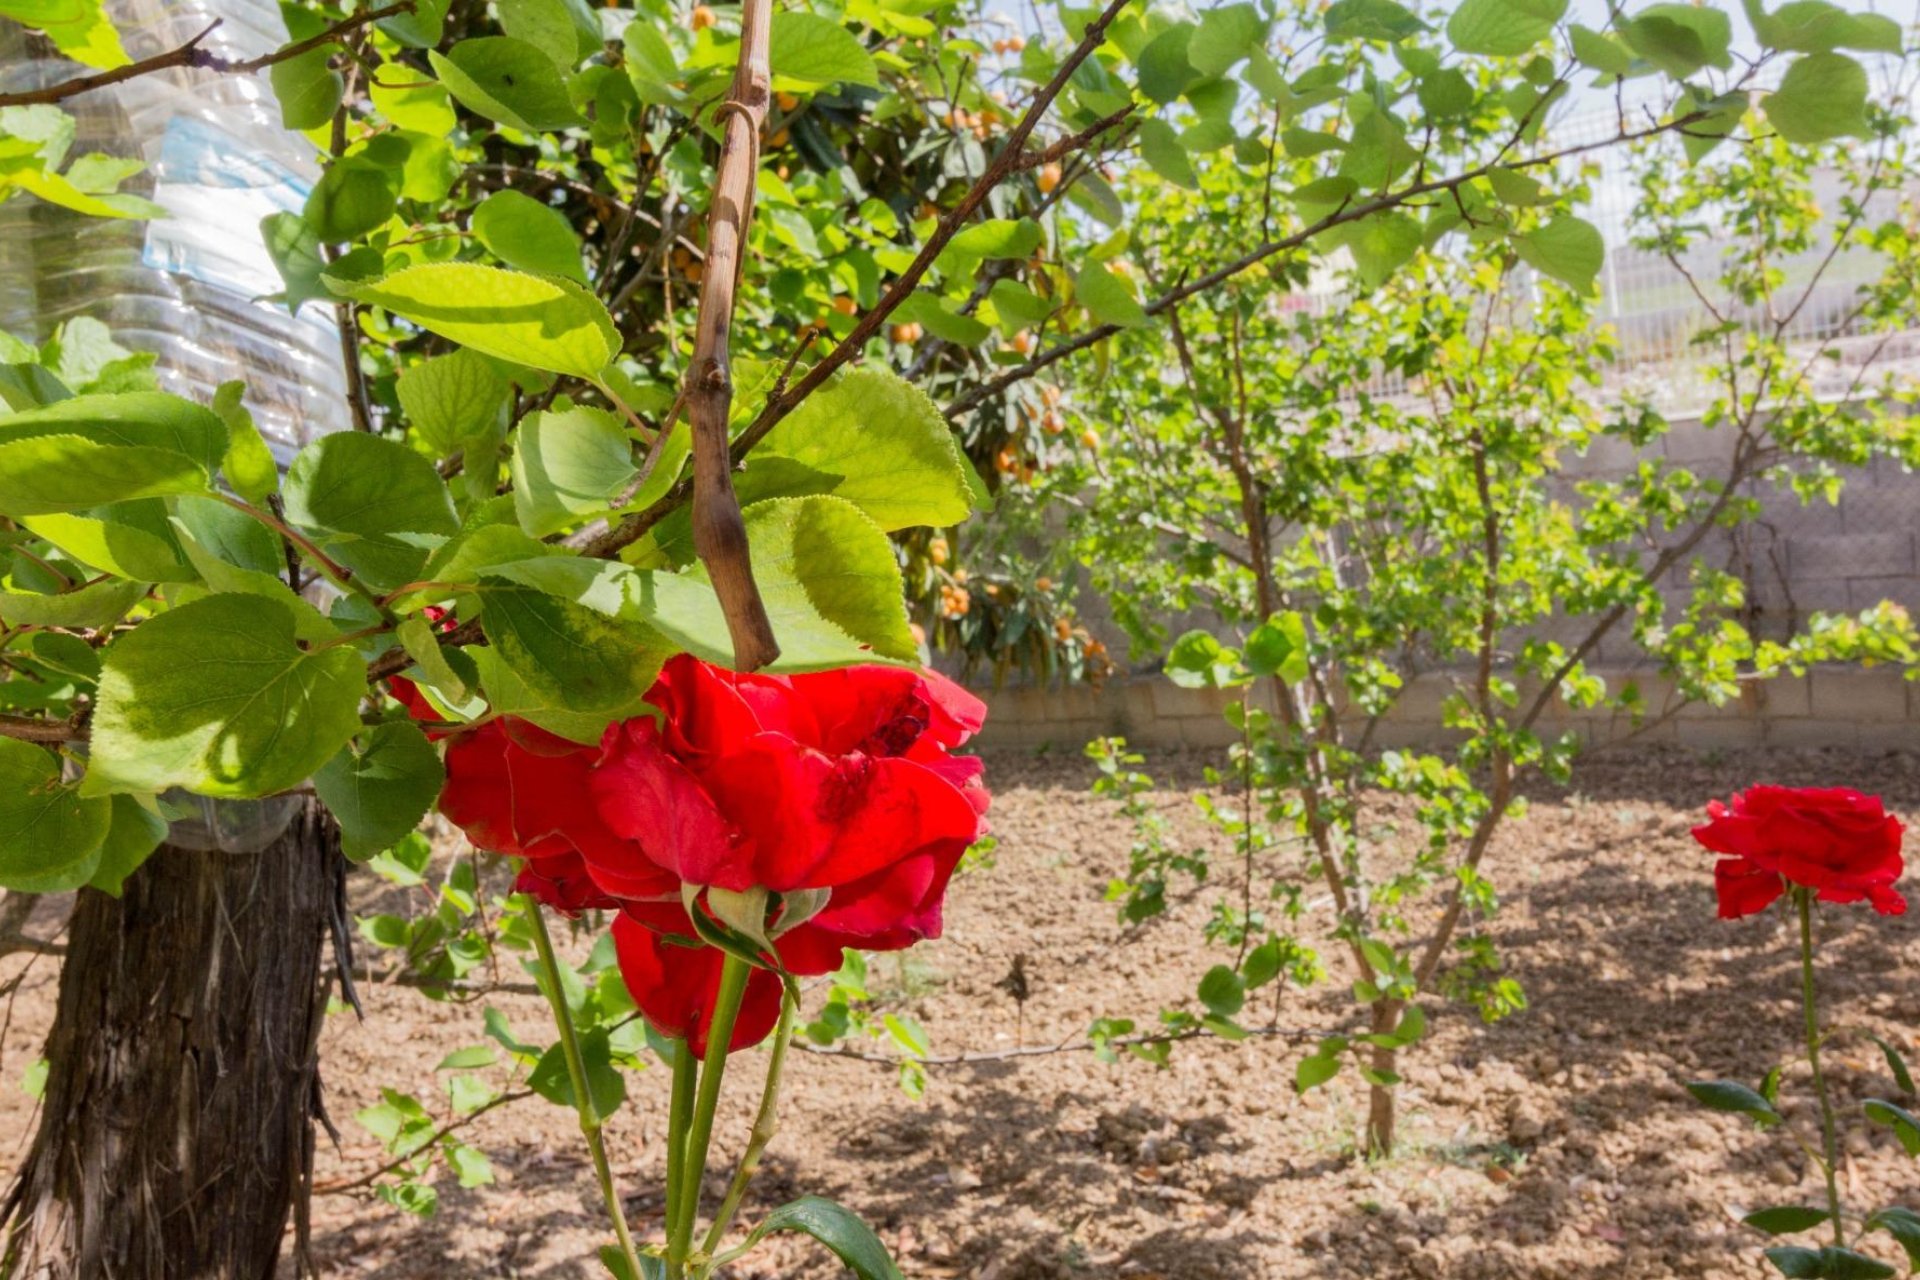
(765, 1122)
(1803, 899)
(577, 1076)
(726, 1011)
(686, 1073)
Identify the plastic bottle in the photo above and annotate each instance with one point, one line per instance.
(186, 287)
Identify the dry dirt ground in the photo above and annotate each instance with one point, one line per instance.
(1555, 1144)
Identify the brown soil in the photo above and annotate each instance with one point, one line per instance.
(1556, 1143)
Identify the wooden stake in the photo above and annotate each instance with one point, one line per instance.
(719, 533)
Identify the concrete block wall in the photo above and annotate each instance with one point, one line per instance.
(1866, 708)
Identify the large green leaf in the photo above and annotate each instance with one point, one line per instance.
(46, 827)
(1823, 95)
(508, 81)
(356, 195)
(851, 1240)
(248, 464)
(373, 503)
(380, 787)
(1107, 297)
(529, 235)
(830, 582)
(89, 451)
(567, 653)
(307, 87)
(876, 440)
(533, 320)
(113, 545)
(216, 696)
(806, 46)
(568, 466)
(1569, 249)
(1226, 35)
(452, 400)
(1680, 39)
(1503, 28)
(94, 605)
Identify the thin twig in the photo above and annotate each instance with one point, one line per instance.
(191, 55)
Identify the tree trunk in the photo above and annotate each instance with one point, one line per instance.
(1381, 1116)
(176, 1131)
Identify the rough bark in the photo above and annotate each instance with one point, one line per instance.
(176, 1133)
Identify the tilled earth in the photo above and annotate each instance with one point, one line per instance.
(1556, 1144)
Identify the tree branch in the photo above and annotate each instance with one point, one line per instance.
(191, 55)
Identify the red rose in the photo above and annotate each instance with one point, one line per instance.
(834, 791)
(1833, 840)
(675, 986)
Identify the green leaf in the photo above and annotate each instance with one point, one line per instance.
(568, 466)
(353, 197)
(529, 235)
(1381, 243)
(1903, 1123)
(372, 503)
(650, 64)
(46, 826)
(136, 832)
(89, 451)
(380, 792)
(1903, 1225)
(1680, 38)
(295, 251)
(1107, 298)
(1823, 95)
(1784, 1220)
(1600, 52)
(96, 605)
(452, 401)
(1197, 661)
(1569, 249)
(1164, 69)
(1223, 991)
(508, 81)
(416, 636)
(216, 696)
(1278, 646)
(1315, 1070)
(1503, 28)
(850, 1239)
(567, 653)
(248, 464)
(78, 28)
(608, 1089)
(808, 47)
(1226, 35)
(1830, 1263)
(307, 87)
(1009, 238)
(874, 439)
(1813, 26)
(1160, 148)
(1370, 20)
(421, 28)
(1732, 1096)
(545, 24)
(540, 321)
(1897, 1065)
(1262, 965)
(113, 542)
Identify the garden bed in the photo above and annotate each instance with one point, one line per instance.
(1557, 1143)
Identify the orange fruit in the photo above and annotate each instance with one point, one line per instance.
(1049, 177)
(937, 551)
(778, 139)
(701, 18)
(1024, 342)
(1090, 438)
(787, 101)
(905, 333)
(1053, 423)
(844, 305)
(1043, 584)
